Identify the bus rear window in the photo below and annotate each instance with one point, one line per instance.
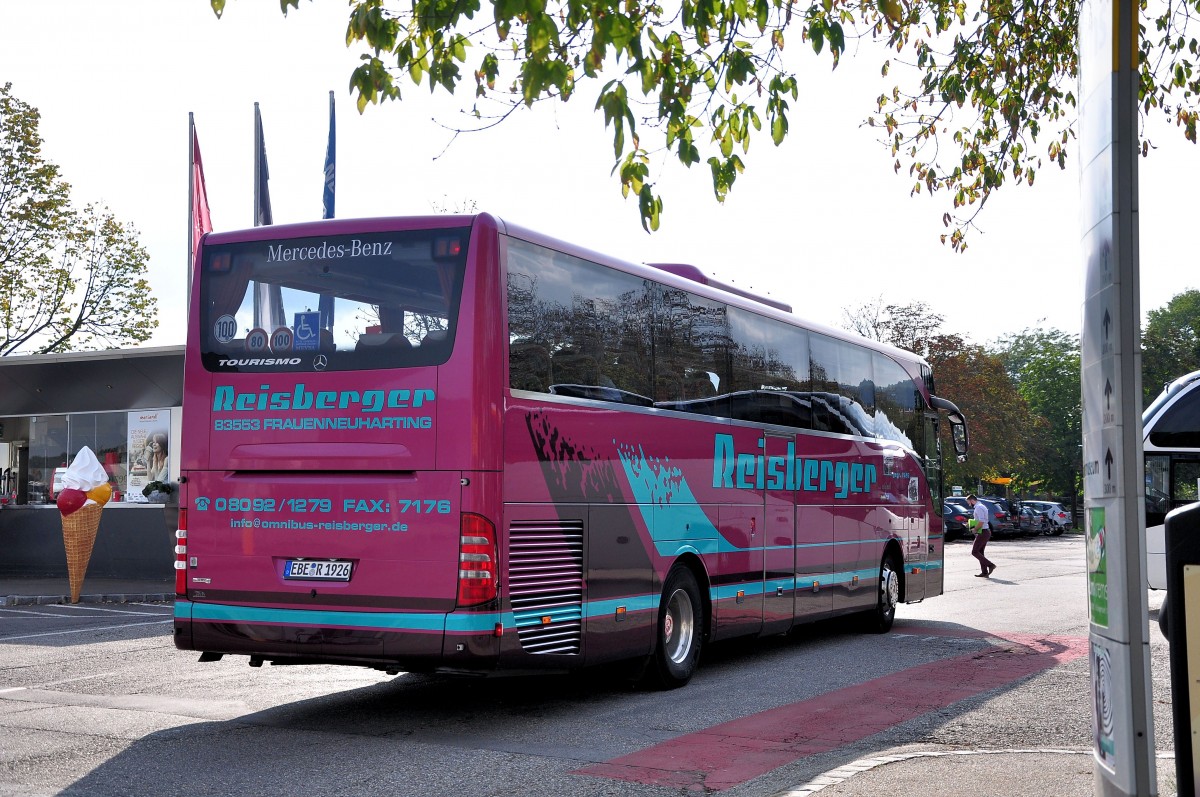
(338, 303)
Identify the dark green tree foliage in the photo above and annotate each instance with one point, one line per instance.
(69, 278)
(984, 92)
(1045, 365)
(1170, 343)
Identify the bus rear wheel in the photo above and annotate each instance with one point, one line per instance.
(879, 620)
(679, 631)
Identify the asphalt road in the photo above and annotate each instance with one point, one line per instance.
(95, 700)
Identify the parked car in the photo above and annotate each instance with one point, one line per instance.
(1032, 521)
(1009, 506)
(954, 518)
(998, 517)
(1047, 515)
(960, 502)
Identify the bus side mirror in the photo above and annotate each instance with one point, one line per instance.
(958, 425)
(958, 433)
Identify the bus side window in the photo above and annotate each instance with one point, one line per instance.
(529, 367)
(1158, 488)
(1183, 482)
(571, 367)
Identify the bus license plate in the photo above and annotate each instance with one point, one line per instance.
(323, 571)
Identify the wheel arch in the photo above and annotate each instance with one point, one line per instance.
(891, 550)
(695, 564)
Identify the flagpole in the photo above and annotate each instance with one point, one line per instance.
(191, 234)
(268, 309)
(257, 162)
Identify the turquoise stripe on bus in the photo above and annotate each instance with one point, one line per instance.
(459, 622)
(532, 618)
(931, 565)
(399, 621)
(673, 549)
(632, 603)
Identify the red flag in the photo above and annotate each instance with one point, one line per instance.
(201, 219)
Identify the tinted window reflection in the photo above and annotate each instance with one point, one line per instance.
(582, 330)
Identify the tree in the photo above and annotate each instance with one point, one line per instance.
(68, 278)
(984, 95)
(1045, 365)
(1170, 343)
(913, 326)
(999, 419)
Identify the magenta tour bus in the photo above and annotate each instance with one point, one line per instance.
(453, 444)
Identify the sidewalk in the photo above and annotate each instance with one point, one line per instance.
(970, 773)
(16, 591)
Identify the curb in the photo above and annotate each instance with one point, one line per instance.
(49, 600)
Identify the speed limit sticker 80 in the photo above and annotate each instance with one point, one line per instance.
(256, 339)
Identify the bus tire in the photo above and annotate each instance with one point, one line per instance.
(879, 620)
(678, 632)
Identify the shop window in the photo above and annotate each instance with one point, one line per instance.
(54, 440)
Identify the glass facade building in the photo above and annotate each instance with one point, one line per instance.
(123, 405)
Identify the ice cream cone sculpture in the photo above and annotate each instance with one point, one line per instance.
(86, 490)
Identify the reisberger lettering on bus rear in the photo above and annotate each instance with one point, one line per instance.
(227, 399)
(755, 471)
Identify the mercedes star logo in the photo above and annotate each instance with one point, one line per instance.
(320, 362)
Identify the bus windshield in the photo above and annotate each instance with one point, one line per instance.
(362, 301)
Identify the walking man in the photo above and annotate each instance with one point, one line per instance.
(983, 533)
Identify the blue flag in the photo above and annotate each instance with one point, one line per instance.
(330, 167)
(325, 304)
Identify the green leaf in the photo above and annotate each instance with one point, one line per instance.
(650, 206)
(779, 127)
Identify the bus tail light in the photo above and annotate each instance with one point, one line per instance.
(181, 556)
(476, 561)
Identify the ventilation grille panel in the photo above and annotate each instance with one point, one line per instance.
(545, 584)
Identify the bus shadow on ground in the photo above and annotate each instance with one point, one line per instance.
(429, 735)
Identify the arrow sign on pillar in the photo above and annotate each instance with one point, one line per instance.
(1108, 391)
(1108, 462)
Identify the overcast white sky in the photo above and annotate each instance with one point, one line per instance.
(822, 222)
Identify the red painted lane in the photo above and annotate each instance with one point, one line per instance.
(726, 755)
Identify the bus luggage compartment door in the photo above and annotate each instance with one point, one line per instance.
(916, 557)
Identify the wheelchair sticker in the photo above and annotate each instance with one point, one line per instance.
(307, 336)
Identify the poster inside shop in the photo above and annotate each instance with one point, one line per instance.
(149, 451)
